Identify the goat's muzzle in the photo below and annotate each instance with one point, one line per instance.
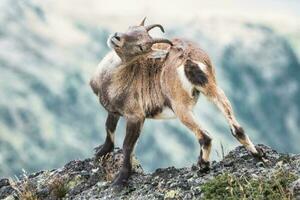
(115, 40)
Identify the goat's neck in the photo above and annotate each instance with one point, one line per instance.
(142, 68)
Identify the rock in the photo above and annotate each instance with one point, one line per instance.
(295, 189)
(4, 182)
(91, 179)
(6, 191)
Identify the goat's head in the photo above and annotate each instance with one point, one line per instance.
(135, 41)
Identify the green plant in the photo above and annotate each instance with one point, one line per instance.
(58, 188)
(231, 187)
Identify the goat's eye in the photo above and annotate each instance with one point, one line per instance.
(141, 48)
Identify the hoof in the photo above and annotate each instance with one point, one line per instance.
(203, 165)
(102, 150)
(260, 153)
(119, 183)
(261, 156)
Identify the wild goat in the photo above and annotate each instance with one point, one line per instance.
(142, 79)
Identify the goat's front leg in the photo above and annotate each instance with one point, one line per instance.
(220, 99)
(133, 129)
(187, 117)
(108, 146)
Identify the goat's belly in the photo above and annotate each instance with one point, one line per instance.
(166, 113)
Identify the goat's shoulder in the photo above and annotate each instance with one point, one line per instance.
(109, 62)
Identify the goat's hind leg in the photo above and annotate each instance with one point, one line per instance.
(187, 117)
(220, 99)
(108, 146)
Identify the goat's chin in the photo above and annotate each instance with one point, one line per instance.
(109, 42)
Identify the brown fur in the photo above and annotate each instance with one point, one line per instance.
(148, 83)
(134, 89)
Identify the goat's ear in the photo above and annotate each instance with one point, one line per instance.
(143, 22)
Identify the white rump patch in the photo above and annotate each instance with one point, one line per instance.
(186, 84)
(167, 113)
(202, 66)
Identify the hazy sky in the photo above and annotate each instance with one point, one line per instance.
(178, 7)
(105, 12)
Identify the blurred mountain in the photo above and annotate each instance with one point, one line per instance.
(48, 113)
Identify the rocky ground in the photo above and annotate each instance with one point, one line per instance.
(237, 176)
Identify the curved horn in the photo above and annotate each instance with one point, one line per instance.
(148, 28)
(161, 40)
(143, 21)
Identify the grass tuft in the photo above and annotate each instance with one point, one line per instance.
(58, 188)
(25, 189)
(228, 186)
